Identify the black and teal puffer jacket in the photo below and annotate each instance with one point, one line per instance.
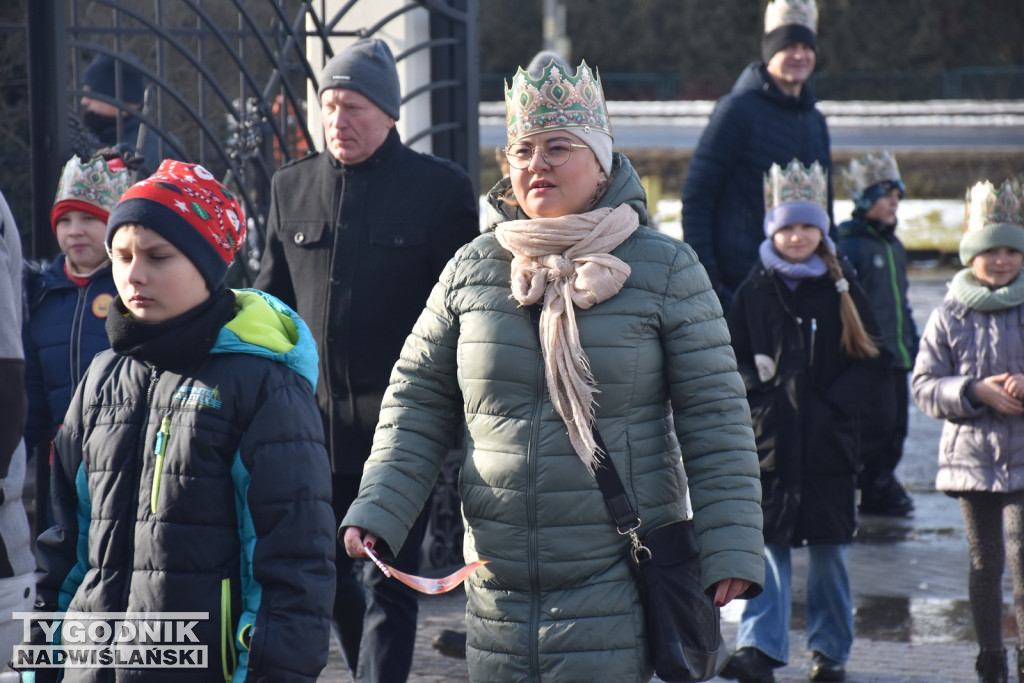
(205, 490)
(557, 601)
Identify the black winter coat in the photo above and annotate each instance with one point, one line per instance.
(806, 415)
(880, 260)
(356, 250)
(64, 330)
(751, 128)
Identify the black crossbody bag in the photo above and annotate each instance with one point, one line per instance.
(684, 634)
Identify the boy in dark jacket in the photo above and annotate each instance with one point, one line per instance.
(68, 300)
(190, 472)
(869, 242)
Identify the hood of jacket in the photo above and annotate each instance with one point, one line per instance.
(264, 326)
(623, 188)
(755, 78)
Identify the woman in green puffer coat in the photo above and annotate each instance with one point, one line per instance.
(569, 316)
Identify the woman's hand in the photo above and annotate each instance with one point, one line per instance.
(355, 539)
(992, 393)
(728, 589)
(1014, 386)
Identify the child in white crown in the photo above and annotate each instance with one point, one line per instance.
(970, 372)
(802, 331)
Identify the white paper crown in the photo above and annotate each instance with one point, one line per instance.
(556, 100)
(870, 170)
(988, 206)
(795, 183)
(93, 182)
(782, 12)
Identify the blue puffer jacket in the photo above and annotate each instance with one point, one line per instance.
(65, 329)
(751, 128)
(204, 491)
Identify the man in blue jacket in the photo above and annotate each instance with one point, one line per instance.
(769, 117)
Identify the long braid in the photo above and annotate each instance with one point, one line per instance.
(856, 342)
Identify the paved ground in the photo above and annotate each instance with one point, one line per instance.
(909, 580)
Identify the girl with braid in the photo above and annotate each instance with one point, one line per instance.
(803, 335)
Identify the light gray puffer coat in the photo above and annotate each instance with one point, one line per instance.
(557, 601)
(980, 449)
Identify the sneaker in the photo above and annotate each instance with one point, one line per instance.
(894, 503)
(451, 643)
(825, 669)
(749, 665)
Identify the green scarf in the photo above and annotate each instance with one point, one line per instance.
(966, 289)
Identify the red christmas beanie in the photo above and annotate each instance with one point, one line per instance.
(189, 208)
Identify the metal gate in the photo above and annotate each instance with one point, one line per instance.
(227, 84)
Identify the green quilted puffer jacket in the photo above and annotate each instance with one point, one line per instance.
(557, 601)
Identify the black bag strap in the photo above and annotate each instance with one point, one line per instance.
(612, 489)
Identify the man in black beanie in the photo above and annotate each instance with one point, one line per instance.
(769, 118)
(357, 236)
(116, 125)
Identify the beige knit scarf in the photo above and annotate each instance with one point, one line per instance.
(566, 261)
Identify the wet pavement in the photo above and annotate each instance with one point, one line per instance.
(909, 577)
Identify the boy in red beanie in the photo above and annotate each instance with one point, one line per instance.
(190, 472)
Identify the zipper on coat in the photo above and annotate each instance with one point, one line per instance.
(228, 653)
(154, 376)
(532, 560)
(75, 345)
(158, 466)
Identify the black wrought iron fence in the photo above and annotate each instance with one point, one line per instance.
(227, 83)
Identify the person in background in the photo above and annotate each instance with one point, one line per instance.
(803, 334)
(17, 565)
(68, 299)
(568, 317)
(356, 237)
(970, 373)
(769, 118)
(190, 473)
(116, 124)
(869, 241)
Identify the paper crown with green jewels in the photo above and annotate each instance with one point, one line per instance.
(795, 183)
(993, 218)
(869, 170)
(987, 205)
(93, 182)
(784, 12)
(555, 101)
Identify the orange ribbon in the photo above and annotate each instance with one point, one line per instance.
(422, 583)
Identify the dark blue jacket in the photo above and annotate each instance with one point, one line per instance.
(65, 329)
(881, 264)
(751, 128)
(205, 490)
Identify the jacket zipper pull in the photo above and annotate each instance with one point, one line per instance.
(814, 333)
(158, 467)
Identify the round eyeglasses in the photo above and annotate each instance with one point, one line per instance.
(554, 152)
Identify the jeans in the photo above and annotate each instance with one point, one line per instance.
(765, 621)
(376, 616)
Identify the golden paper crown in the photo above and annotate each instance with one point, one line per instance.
(555, 101)
(795, 183)
(782, 12)
(870, 170)
(92, 182)
(988, 206)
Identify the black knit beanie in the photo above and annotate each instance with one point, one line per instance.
(368, 67)
(784, 36)
(101, 77)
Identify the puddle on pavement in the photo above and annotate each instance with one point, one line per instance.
(913, 620)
